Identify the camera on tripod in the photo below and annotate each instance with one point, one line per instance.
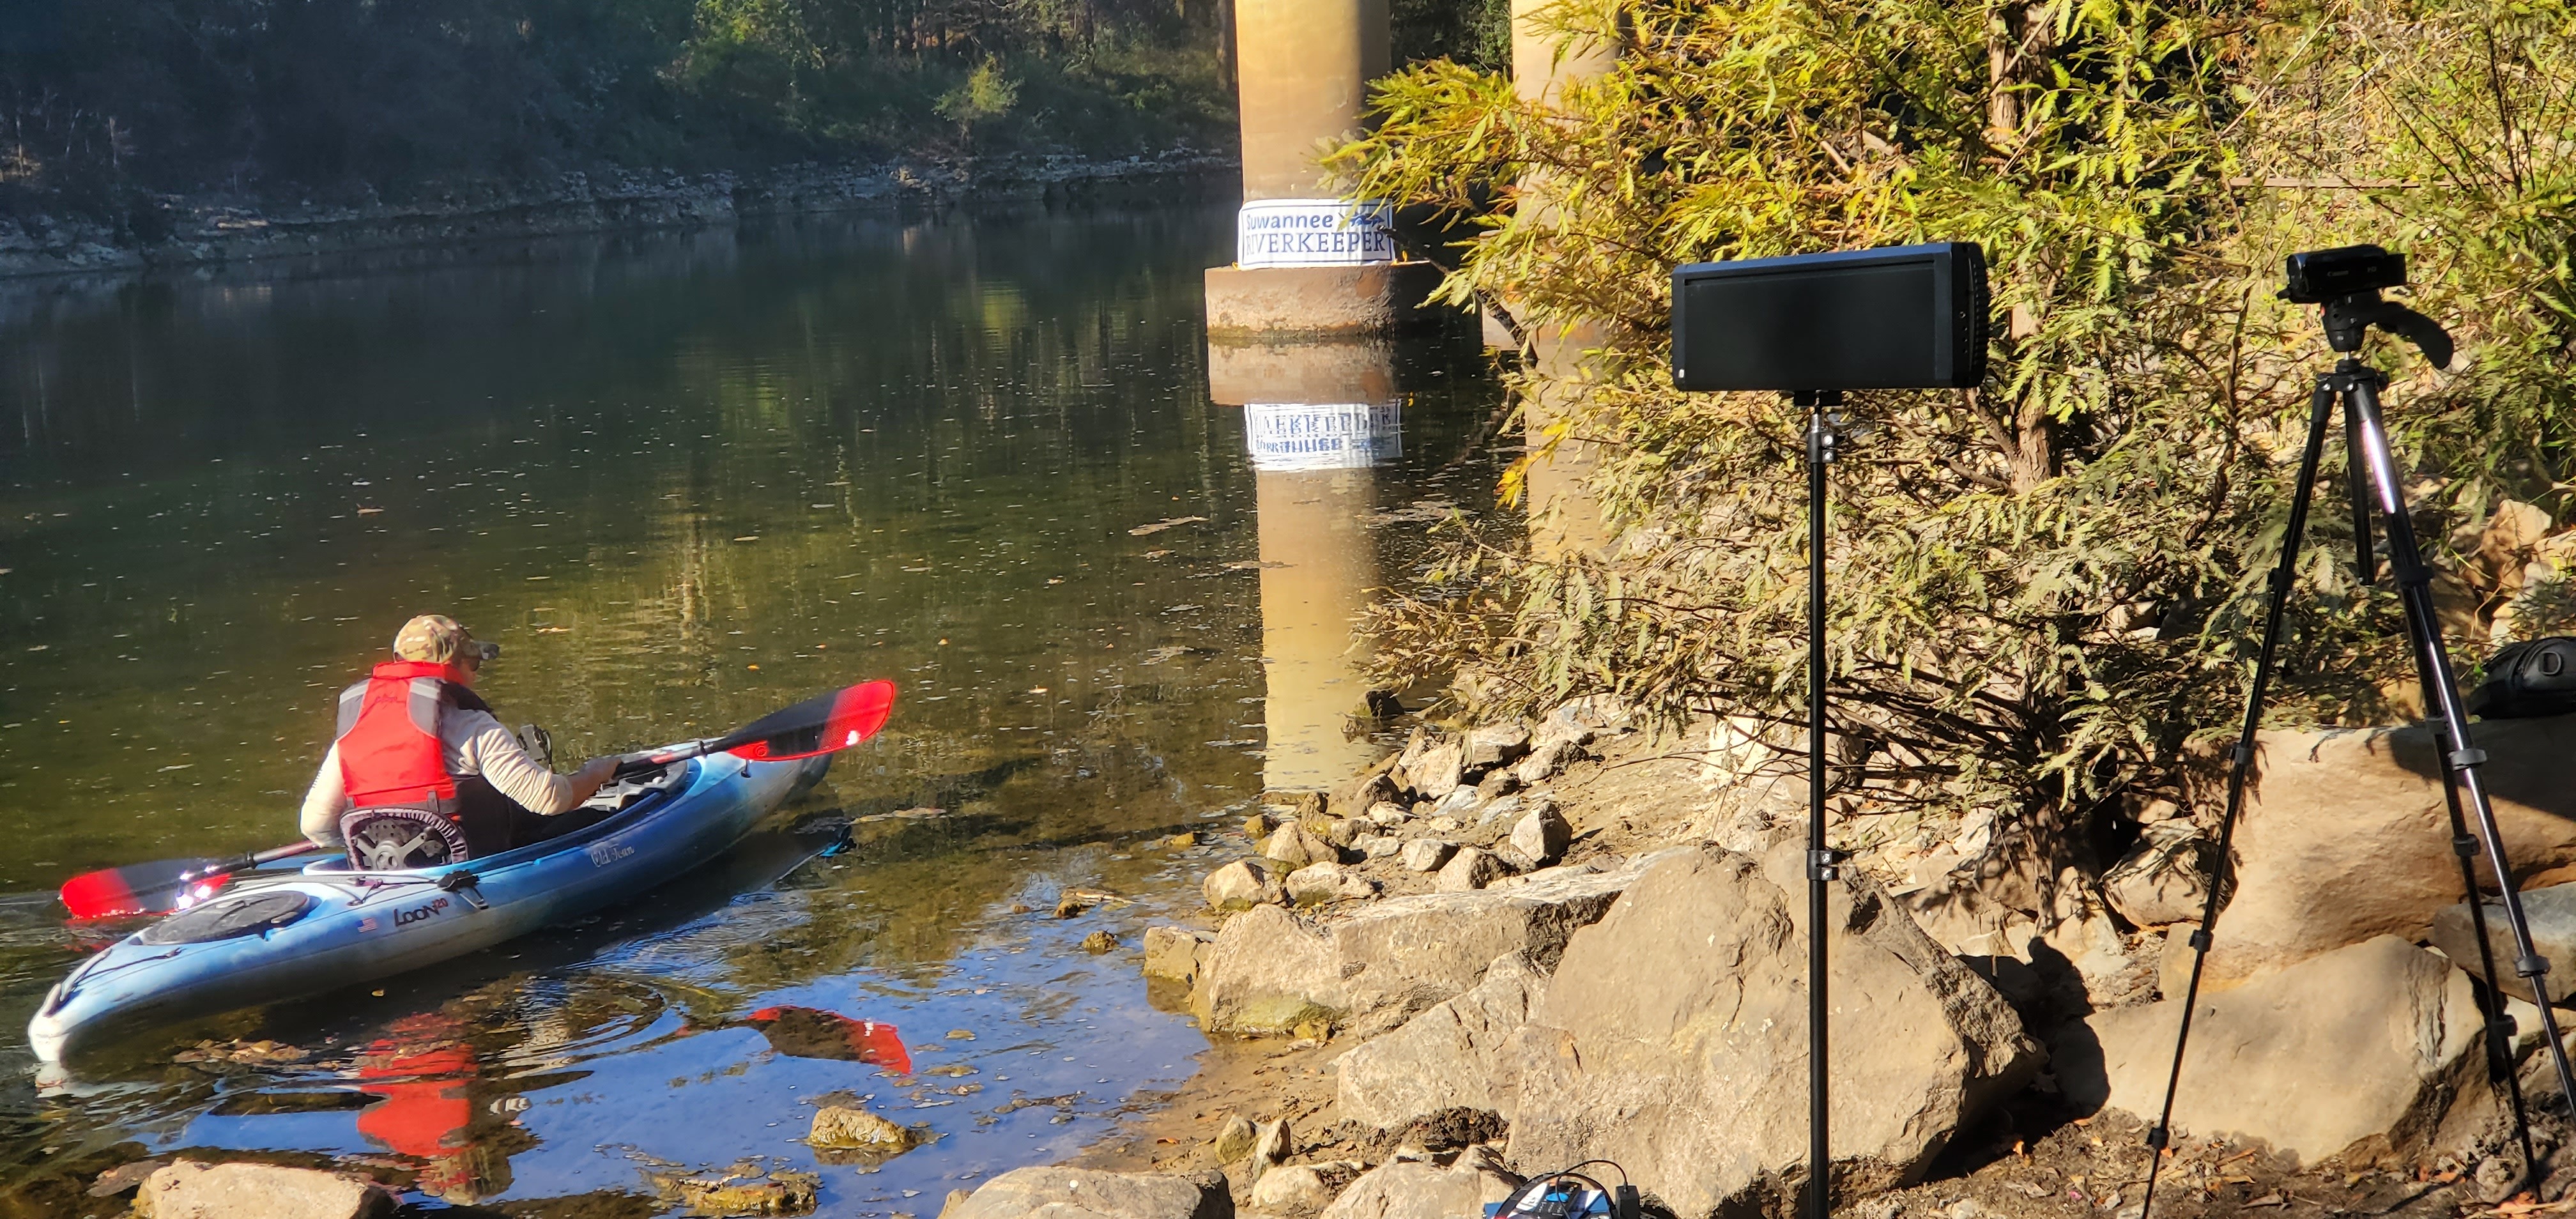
(2318, 276)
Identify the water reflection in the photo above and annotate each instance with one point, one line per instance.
(1318, 420)
(685, 483)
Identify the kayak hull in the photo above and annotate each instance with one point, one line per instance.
(358, 927)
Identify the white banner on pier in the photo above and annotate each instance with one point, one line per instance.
(1329, 436)
(1314, 233)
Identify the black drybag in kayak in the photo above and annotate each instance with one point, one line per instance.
(2535, 677)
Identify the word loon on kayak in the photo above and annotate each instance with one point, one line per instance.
(255, 934)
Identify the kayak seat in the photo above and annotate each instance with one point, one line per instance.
(637, 800)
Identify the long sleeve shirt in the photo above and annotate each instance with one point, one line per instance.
(470, 743)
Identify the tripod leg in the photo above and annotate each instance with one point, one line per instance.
(2461, 758)
(2241, 760)
(2488, 990)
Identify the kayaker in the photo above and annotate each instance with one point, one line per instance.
(422, 773)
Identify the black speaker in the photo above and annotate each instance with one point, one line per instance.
(1904, 317)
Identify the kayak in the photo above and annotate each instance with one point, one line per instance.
(276, 935)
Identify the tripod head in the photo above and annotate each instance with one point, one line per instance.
(2347, 280)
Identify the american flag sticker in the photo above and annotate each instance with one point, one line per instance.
(368, 924)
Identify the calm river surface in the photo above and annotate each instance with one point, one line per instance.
(683, 480)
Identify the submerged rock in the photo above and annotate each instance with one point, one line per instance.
(188, 1189)
(847, 1128)
(1082, 1193)
(728, 1195)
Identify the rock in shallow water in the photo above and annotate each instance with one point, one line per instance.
(843, 1127)
(189, 1189)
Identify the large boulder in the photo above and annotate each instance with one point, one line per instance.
(1416, 1189)
(2356, 1053)
(2346, 836)
(1268, 971)
(1172, 953)
(2552, 913)
(2165, 880)
(1082, 1193)
(188, 1189)
(1673, 1038)
(1451, 1056)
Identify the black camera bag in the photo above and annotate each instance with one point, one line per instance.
(2531, 678)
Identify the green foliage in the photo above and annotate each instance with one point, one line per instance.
(2045, 588)
(394, 99)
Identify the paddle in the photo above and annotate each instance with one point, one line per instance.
(819, 725)
(151, 888)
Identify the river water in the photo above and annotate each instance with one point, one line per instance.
(685, 479)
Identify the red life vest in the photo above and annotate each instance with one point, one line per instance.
(389, 750)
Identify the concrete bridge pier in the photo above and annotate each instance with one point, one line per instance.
(1308, 264)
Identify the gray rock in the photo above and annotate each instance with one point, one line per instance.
(1234, 1142)
(2346, 835)
(1494, 746)
(1273, 1142)
(1502, 809)
(188, 1189)
(1427, 854)
(1542, 836)
(1370, 969)
(1545, 760)
(1371, 787)
(2355, 1053)
(1451, 1056)
(1240, 885)
(1672, 1038)
(1327, 882)
(1388, 813)
(1082, 1193)
(1418, 1189)
(1294, 1188)
(2552, 912)
(1436, 771)
(1295, 846)
(1172, 953)
(1461, 803)
(2165, 880)
(1469, 869)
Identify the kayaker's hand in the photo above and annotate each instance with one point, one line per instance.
(593, 775)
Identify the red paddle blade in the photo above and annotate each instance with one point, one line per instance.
(819, 725)
(143, 888)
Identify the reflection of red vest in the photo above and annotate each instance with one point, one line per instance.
(389, 751)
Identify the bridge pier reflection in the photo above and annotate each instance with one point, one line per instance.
(1317, 419)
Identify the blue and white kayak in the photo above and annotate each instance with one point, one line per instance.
(284, 935)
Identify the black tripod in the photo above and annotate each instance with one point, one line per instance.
(2349, 315)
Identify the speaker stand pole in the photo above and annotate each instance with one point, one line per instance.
(1823, 441)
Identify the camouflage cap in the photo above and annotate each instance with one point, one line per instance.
(438, 639)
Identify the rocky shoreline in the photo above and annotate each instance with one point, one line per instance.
(1507, 949)
(203, 230)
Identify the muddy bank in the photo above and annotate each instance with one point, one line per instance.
(1506, 950)
(175, 231)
